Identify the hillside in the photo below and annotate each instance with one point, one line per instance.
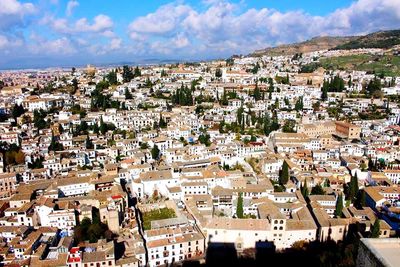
(315, 44)
(381, 39)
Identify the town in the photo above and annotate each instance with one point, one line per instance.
(158, 164)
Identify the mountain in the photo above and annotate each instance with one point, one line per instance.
(381, 39)
(315, 44)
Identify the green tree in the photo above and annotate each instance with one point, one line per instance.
(360, 200)
(325, 89)
(299, 104)
(239, 206)
(218, 73)
(103, 126)
(74, 86)
(339, 206)
(284, 174)
(17, 111)
(204, 138)
(288, 126)
(304, 189)
(128, 94)
(89, 143)
(375, 229)
(353, 188)
(182, 96)
(137, 72)
(374, 86)
(127, 74)
(155, 152)
(257, 93)
(144, 145)
(55, 145)
(162, 123)
(317, 190)
(112, 77)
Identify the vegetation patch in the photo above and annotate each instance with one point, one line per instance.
(158, 214)
(388, 65)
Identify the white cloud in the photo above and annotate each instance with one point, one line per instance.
(12, 13)
(166, 19)
(13, 7)
(115, 43)
(70, 7)
(101, 24)
(59, 47)
(226, 27)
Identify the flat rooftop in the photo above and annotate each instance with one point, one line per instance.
(385, 249)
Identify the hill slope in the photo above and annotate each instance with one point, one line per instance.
(381, 39)
(314, 44)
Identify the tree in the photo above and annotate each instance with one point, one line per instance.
(325, 89)
(375, 229)
(239, 206)
(89, 143)
(304, 189)
(339, 206)
(360, 200)
(127, 74)
(289, 126)
(103, 126)
(266, 124)
(128, 94)
(162, 123)
(204, 138)
(284, 174)
(299, 104)
(74, 85)
(17, 111)
(353, 188)
(257, 93)
(55, 145)
(218, 73)
(374, 86)
(137, 72)
(317, 190)
(112, 77)
(182, 96)
(144, 145)
(155, 152)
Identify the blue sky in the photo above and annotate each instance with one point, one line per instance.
(76, 32)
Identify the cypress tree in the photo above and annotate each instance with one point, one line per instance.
(304, 189)
(155, 152)
(339, 206)
(239, 206)
(257, 93)
(353, 188)
(284, 175)
(375, 229)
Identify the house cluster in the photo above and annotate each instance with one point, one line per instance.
(148, 166)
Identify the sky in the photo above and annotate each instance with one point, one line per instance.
(46, 33)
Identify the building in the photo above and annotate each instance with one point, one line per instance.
(378, 252)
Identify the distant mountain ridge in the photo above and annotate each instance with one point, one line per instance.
(381, 39)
